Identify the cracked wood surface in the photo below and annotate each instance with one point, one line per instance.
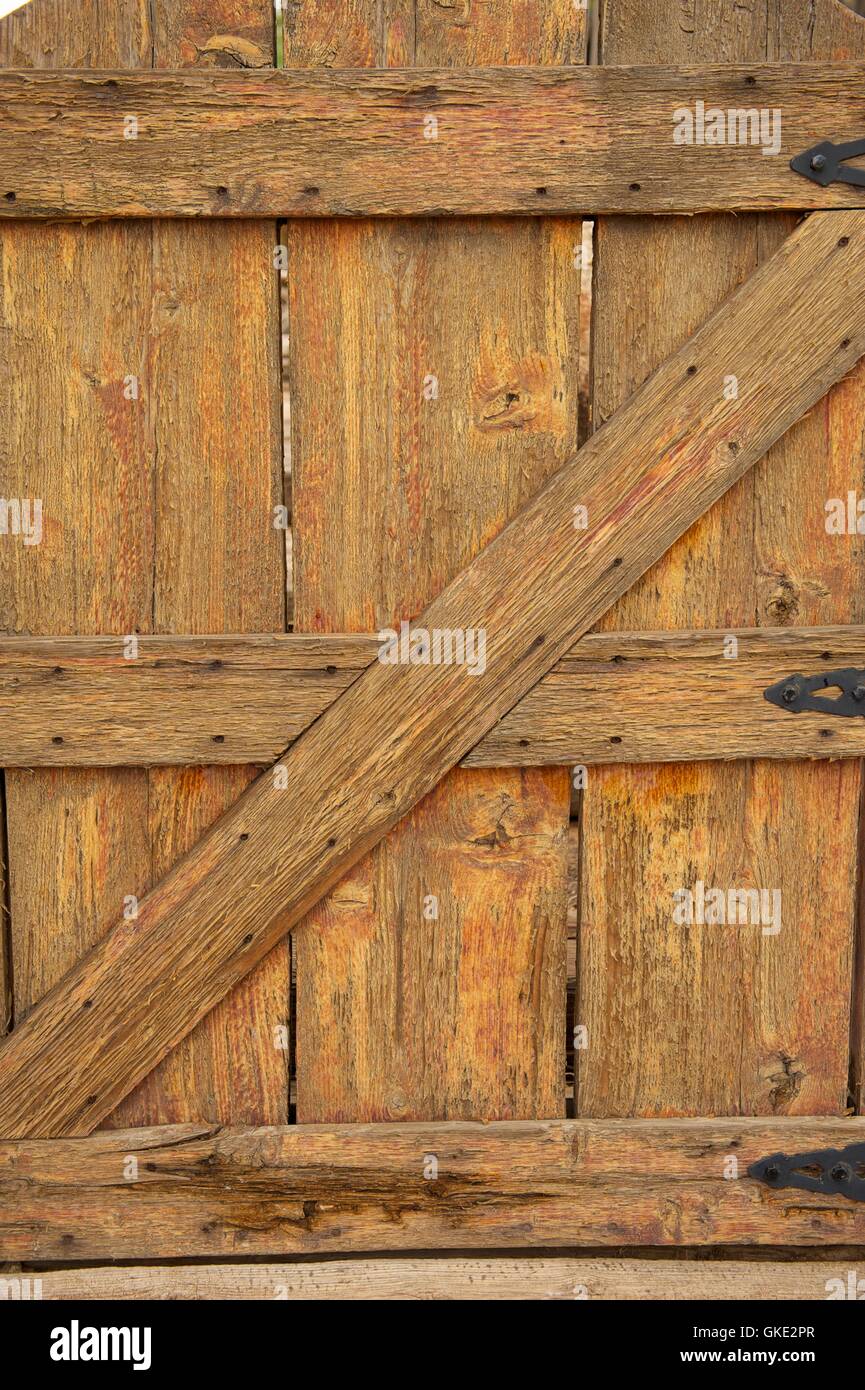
(202, 1191)
(649, 473)
(321, 143)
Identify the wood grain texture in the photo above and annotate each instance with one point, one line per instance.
(92, 34)
(386, 743)
(456, 397)
(449, 1278)
(308, 1189)
(620, 697)
(523, 141)
(717, 1020)
(141, 350)
(799, 583)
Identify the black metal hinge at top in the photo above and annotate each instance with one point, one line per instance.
(823, 163)
(835, 1172)
(797, 693)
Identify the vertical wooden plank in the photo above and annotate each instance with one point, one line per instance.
(71, 34)
(5, 934)
(806, 570)
(434, 385)
(74, 307)
(219, 562)
(158, 512)
(716, 1019)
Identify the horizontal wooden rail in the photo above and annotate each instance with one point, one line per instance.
(638, 697)
(193, 1190)
(615, 698)
(99, 702)
(347, 143)
(448, 1277)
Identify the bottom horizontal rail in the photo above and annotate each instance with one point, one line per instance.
(444, 1277)
(192, 1191)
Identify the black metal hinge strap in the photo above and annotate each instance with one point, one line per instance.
(835, 1172)
(823, 163)
(797, 693)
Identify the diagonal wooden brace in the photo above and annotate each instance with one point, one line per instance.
(796, 327)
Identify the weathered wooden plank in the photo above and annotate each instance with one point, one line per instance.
(707, 1020)
(171, 372)
(192, 1190)
(215, 377)
(105, 35)
(809, 573)
(619, 697)
(442, 1277)
(806, 575)
(456, 397)
(644, 478)
(74, 308)
(352, 143)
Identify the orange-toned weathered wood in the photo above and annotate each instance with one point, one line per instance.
(637, 697)
(508, 141)
(666, 457)
(202, 1191)
(432, 982)
(713, 1019)
(215, 376)
(75, 308)
(806, 577)
(158, 498)
(190, 699)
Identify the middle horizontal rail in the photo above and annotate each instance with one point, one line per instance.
(615, 698)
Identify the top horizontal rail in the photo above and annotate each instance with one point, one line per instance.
(395, 142)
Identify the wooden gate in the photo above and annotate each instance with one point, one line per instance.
(511, 663)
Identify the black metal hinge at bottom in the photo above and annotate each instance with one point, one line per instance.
(839, 1172)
